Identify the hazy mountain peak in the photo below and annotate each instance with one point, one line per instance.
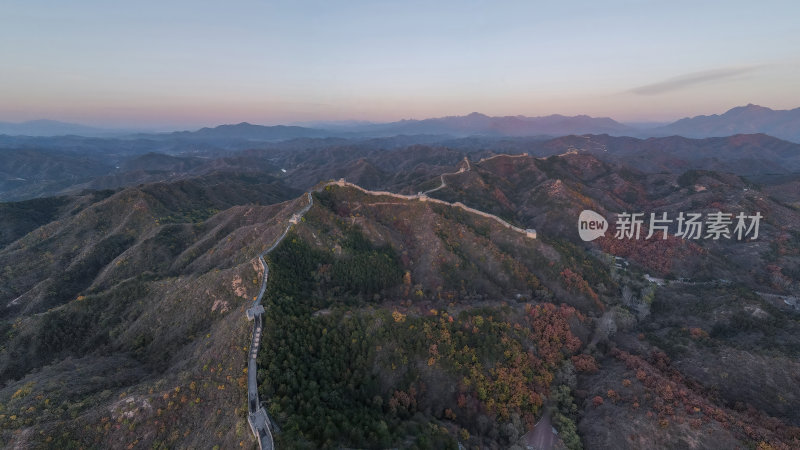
(747, 119)
(750, 108)
(477, 123)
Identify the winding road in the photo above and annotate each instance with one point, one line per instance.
(542, 436)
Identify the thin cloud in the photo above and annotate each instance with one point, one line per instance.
(690, 79)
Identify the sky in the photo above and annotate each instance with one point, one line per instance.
(186, 64)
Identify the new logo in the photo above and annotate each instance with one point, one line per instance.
(591, 225)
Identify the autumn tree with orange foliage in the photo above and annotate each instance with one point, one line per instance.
(585, 363)
(655, 254)
(673, 397)
(575, 283)
(552, 333)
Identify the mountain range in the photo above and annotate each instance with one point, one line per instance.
(44, 166)
(480, 124)
(783, 124)
(393, 322)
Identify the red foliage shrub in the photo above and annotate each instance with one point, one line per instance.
(671, 395)
(574, 282)
(656, 254)
(551, 331)
(584, 363)
(697, 333)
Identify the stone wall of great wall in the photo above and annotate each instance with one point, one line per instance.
(530, 233)
(521, 155)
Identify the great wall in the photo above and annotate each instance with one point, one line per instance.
(423, 196)
(531, 233)
(258, 418)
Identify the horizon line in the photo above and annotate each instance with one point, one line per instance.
(343, 123)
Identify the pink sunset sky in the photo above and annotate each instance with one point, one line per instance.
(200, 63)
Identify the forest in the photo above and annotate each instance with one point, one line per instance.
(337, 368)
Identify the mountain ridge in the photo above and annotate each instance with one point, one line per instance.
(747, 119)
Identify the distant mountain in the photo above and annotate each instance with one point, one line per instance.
(335, 124)
(45, 166)
(28, 173)
(784, 124)
(480, 124)
(458, 126)
(51, 128)
(250, 132)
(159, 162)
(750, 119)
